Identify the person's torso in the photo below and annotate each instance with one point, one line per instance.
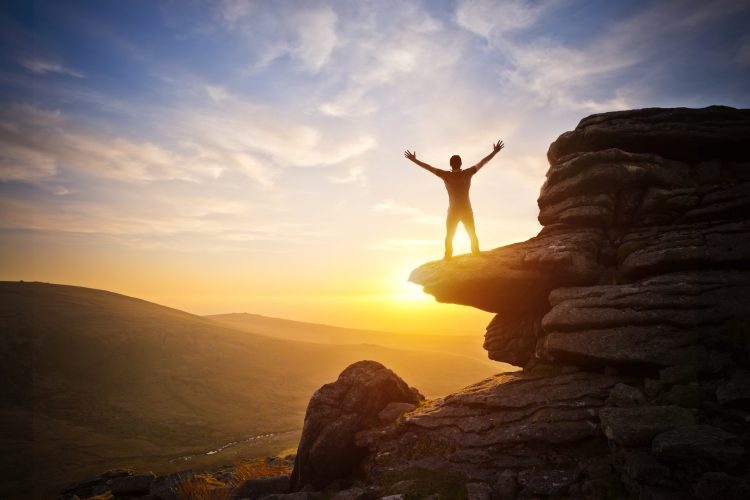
(458, 182)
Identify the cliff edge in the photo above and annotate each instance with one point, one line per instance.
(628, 313)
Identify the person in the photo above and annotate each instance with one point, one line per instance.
(458, 182)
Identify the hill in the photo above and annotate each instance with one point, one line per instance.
(460, 345)
(95, 380)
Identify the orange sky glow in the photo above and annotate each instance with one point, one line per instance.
(243, 156)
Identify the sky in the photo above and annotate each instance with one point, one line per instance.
(247, 156)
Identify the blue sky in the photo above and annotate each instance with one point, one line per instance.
(254, 149)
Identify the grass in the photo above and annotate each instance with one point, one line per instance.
(207, 487)
(260, 468)
(203, 487)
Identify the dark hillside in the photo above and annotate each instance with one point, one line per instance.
(96, 380)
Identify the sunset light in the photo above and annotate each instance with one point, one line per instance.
(247, 151)
(210, 211)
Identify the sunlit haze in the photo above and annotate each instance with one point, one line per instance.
(242, 156)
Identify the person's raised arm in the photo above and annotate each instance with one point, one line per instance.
(495, 150)
(413, 157)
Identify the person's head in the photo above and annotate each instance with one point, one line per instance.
(455, 162)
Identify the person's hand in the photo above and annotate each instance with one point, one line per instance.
(497, 147)
(410, 155)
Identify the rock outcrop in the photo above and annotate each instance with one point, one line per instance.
(362, 395)
(637, 286)
(628, 315)
(644, 253)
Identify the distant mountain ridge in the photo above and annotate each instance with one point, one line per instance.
(95, 380)
(460, 345)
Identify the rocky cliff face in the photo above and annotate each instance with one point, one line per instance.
(629, 313)
(644, 250)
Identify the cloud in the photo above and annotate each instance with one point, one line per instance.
(193, 143)
(487, 18)
(385, 53)
(412, 214)
(197, 224)
(36, 143)
(307, 34)
(217, 92)
(353, 175)
(45, 67)
(583, 73)
(316, 37)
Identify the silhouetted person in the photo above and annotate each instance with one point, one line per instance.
(458, 182)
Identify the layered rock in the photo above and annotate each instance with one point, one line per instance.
(530, 419)
(641, 273)
(646, 206)
(628, 315)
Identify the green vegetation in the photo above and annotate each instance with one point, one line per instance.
(113, 381)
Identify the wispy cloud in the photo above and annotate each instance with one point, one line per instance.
(46, 67)
(36, 143)
(385, 51)
(586, 75)
(305, 33)
(491, 19)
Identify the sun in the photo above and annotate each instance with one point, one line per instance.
(404, 290)
(409, 292)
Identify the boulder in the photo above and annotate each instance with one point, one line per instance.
(478, 491)
(135, 485)
(678, 374)
(505, 486)
(356, 494)
(336, 413)
(637, 426)
(553, 482)
(641, 467)
(624, 396)
(257, 488)
(699, 443)
(513, 338)
(713, 485)
(715, 132)
(736, 389)
(164, 487)
(511, 420)
(660, 321)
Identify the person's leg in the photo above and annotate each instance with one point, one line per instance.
(451, 223)
(468, 220)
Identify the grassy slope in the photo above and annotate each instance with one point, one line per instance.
(95, 380)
